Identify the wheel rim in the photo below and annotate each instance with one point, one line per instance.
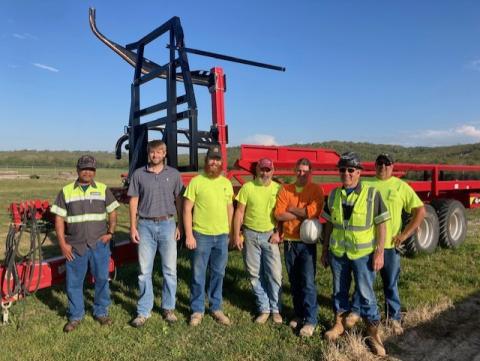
(424, 234)
(455, 224)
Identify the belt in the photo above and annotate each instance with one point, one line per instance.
(156, 219)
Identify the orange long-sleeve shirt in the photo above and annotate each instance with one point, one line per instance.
(311, 197)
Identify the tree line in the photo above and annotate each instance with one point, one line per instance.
(458, 154)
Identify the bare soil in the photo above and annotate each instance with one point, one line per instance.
(453, 334)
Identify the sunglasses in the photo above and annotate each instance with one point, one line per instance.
(383, 162)
(349, 170)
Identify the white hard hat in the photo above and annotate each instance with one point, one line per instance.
(310, 231)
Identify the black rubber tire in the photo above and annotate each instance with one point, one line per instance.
(452, 221)
(426, 238)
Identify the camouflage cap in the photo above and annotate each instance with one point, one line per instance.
(86, 162)
(349, 159)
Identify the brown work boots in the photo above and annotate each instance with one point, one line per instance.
(337, 329)
(343, 322)
(374, 340)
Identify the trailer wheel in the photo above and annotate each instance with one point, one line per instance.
(452, 221)
(426, 238)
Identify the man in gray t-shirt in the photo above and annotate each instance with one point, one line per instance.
(155, 197)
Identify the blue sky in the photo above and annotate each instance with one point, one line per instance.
(397, 72)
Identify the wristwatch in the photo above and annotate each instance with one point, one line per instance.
(110, 233)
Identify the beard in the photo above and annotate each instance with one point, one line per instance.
(213, 171)
(265, 180)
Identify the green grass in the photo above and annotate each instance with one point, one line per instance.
(37, 322)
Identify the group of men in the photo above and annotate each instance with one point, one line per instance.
(361, 236)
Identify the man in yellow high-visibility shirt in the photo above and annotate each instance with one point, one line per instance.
(210, 196)
(255, 204)
(354, 241)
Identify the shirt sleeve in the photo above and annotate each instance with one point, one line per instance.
(412, 199)
(191, 190)
(110, 202)
(380, 210)
(282, 201)
(134, 187)
(179, 187)
(242, 195)
(314, 208)
(59, 207)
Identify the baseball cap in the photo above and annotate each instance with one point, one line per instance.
(265, 163)
(214, 152)
(384, 156)
(349, 159)
(86, 162)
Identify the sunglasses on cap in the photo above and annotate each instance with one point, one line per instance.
(385, 162)
(345, 170)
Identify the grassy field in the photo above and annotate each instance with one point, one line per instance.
(36, 328)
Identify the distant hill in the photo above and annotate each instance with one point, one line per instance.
(457, 154)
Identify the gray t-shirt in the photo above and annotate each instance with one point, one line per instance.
(156, 192)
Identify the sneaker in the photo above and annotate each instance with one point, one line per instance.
(294, 323)
(220, 317)
(169, 316)
(262, 318)
(139, 321)
(196, 319)
(277, 318)
(71, 325)
(397, 328)
(307, 330)
(104, 320)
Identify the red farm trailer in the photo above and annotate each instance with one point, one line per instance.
(442, 187)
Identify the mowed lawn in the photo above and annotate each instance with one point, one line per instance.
(36, 328)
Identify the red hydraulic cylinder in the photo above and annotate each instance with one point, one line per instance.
(218, 112)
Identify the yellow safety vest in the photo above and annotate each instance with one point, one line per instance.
(355, 237)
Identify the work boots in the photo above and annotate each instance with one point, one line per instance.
(350, 321)
(337, 329)
(374, 340)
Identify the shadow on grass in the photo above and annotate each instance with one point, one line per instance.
(450, 335)
(124, 287)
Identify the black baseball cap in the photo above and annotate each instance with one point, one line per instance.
(214, 152)
(384, 156)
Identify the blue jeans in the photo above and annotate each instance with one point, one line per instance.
(390, 274)
(99, 259)
(264, 265)
(156, 236)
(301, 261)
(211, 252)
(364, 276)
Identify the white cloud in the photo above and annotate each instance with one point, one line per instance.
(46, 67)
(461, 134)
(24, 36)
(261, 139)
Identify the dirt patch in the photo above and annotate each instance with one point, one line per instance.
(13, 175)
(453, 334)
